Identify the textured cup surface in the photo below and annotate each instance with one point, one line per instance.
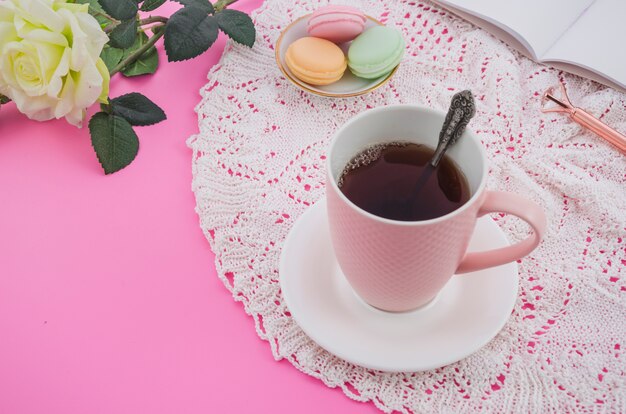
(395, 265)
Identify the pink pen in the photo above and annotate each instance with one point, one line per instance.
(584, 118)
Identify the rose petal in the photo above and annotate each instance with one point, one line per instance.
(88, 85)
(56, 80)
(40, 12)
(106, 78)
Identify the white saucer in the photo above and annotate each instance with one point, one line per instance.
(349, 85)
(468, 312)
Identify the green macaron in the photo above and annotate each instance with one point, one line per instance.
(375, 52)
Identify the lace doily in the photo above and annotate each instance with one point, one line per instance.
(258, 165)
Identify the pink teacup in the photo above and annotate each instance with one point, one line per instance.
(399, 265)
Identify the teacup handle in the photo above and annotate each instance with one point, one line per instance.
(523, 208)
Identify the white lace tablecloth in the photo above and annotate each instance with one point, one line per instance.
(258, 165)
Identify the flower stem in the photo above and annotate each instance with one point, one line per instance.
(155, 28)
(106, 16)
(222, 4)
(137, 53)
(142, 22)
(110, 27)
(153, 19)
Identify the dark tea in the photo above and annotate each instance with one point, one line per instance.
(384, 180)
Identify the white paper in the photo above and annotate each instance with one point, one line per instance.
(537, 24)
(596, 41)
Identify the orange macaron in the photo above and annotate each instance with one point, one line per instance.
(316, 61)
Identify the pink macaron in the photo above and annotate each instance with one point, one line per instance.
(336, 23)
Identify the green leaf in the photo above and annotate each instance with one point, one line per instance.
(96, 10)
(124, 34)
(114, 141)
(111, 56)
(203, 4)
(4, 99)
(237, 25)
(137, 109)
(150, 5)
(120, 9)
(188, 33)
(146, 64)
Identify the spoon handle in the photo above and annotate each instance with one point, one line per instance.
(462, 109)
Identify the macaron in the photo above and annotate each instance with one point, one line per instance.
(315, 61)
(375, 52)
(336, 23)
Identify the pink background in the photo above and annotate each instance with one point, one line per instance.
(109, 300)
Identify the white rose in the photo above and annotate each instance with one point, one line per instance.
(50, 62)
